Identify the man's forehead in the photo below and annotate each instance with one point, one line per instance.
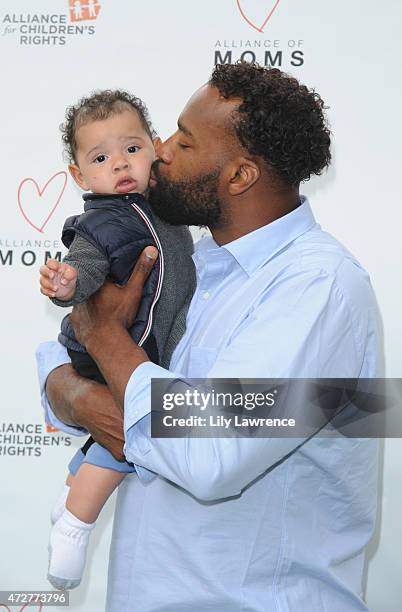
(208, 106)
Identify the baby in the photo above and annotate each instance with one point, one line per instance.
(109, 140)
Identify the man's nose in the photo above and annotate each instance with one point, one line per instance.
(164, 150)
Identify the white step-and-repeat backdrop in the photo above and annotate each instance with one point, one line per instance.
(55, 51)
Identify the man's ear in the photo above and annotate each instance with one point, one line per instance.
(77, 176)
(243, 174)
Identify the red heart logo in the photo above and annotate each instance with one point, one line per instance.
(267, 18)
(7, 609)
(49, 197)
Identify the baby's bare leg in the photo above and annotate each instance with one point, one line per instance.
(69, 480)
(60, 503)
(90, 488)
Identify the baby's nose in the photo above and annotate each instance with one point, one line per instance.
(120, 162)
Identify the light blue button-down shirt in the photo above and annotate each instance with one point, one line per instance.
(251, 525)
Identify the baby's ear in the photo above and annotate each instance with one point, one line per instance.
(77, 176)
(156, 142)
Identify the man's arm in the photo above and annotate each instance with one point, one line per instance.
(101, 325)
(83, 403)
(313, 335)
(64, 404)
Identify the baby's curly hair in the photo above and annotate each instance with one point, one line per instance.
(278, 119)
(98, 106)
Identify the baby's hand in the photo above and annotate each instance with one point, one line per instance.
(58, 279)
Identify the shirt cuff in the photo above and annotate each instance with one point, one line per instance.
(137, 415)
(49, 356)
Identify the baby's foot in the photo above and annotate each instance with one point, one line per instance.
(68, 545)
(60, 505)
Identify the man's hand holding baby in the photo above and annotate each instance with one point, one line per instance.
(113, 308)
(58, 279)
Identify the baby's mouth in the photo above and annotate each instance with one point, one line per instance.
(125, 185)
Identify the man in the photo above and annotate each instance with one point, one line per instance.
(236, 524)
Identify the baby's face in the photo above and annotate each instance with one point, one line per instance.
(114, 155)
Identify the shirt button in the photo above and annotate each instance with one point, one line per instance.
(206, 295)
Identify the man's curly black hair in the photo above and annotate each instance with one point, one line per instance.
(278, 119)
(99, 106)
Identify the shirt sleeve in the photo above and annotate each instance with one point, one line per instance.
(49, 356)
(92, 267)
(313, 335)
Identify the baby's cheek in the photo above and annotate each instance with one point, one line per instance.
(95, 182)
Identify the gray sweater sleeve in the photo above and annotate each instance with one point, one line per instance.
(92, 267)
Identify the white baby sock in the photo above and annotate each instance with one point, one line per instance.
(60, 505)
(68, 544)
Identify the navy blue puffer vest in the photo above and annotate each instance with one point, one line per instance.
(120, 226)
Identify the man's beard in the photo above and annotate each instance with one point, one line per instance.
(188, 202)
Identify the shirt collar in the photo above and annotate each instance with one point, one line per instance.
(253, 250)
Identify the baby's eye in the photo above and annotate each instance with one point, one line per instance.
(99, 158)
(133, 149)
